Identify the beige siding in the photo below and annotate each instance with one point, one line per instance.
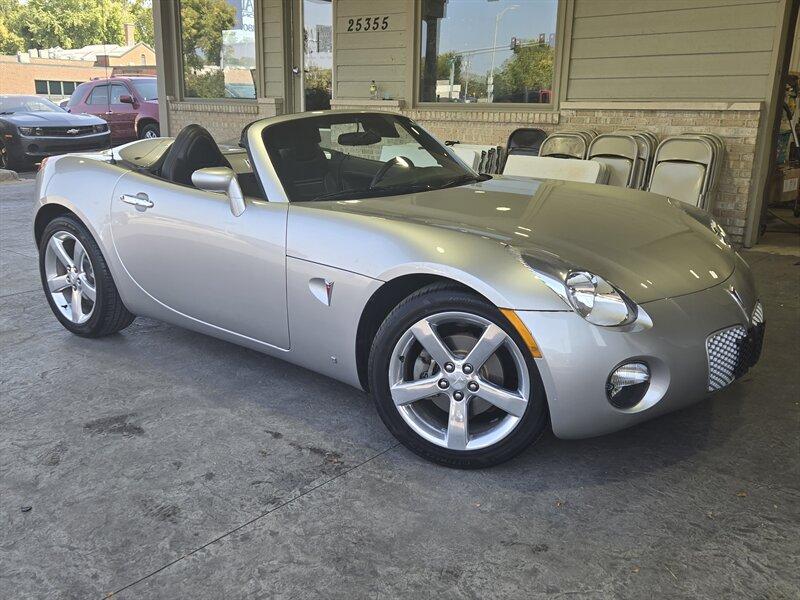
(364, 56)
(671, 50)
(273, 49)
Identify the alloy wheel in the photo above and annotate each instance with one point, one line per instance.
(459, 381)
(70, 277)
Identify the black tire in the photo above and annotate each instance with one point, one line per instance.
(150, 128)
(9, 162)
(428, 301)
(109, 315)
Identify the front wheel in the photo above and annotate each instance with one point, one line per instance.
(454, 381)
(149, 131)
(77, 281)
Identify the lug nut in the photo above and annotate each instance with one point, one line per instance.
(443, 384)
(472, 386)
(458, 396)
(467, 368)
(449, 367)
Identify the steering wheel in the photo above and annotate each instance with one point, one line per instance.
(386, 167)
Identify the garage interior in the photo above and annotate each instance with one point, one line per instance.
(162, 463)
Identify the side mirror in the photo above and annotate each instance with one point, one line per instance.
(126, 99)
(221, 180)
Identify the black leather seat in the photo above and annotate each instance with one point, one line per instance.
(306, 169)
(193, 149)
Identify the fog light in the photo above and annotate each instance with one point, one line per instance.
(628, 384)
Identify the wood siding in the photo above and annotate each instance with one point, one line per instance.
(272, 34)
(671, 50)
(363, 56)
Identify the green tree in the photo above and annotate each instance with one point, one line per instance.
(10, 41)
(443, 66)
(530, 69)
(70, 23)
(202, 22)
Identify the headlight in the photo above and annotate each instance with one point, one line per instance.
(598, 301)
(26, 130)
(100, 128)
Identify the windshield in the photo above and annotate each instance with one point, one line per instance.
(19, 104)
(146, 87)
(347, 156)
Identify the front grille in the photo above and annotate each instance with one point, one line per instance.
(723, 356)
(731, 352)
(66, 131)
(758, 314)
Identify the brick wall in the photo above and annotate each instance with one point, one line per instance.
(18, 78)
(223, 119)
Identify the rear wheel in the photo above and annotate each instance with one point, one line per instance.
(77, 281)
(454, 382)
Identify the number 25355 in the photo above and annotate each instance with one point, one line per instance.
(368, 24)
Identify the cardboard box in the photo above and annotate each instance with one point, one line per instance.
(789, 184)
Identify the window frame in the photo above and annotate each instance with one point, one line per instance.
(181, 74)
(413, 87)
(88, 98)
(38, 84)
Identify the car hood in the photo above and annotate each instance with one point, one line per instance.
(51, 119)
(645, 244)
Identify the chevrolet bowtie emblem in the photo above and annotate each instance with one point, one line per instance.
(72, 131)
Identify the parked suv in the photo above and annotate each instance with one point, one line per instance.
(128, 104)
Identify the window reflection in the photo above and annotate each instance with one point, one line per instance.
(219, 50)
(483, 51)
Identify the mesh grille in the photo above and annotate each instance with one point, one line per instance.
(723, 356)
(758, 314)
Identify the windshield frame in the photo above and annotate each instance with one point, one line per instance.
(457, 170)
(22, 102)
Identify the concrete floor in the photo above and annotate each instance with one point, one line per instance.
(159, 463)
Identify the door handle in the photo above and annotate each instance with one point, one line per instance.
(139, 200)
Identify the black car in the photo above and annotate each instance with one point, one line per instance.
(32, 128)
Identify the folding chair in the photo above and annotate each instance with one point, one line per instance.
(526, 141)
(683, 169)
(565, 145)
(620, 153)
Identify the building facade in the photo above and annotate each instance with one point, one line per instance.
(56, 72)
(475, 71)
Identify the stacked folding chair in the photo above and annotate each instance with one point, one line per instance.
(567, 144)
(687, 168)
(648, 142)
(620, 153)
(481, 157)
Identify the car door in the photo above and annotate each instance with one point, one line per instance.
(187, 250)
(123, 115)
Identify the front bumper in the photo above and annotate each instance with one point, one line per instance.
(578, 357)
(34, 148)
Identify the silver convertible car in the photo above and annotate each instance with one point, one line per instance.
(477, 310)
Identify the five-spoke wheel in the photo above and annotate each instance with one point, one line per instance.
(70, 277)
(77, 281)
(458, 384)
(463, 389)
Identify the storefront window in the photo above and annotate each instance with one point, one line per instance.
(487, 51)
(219, 48)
